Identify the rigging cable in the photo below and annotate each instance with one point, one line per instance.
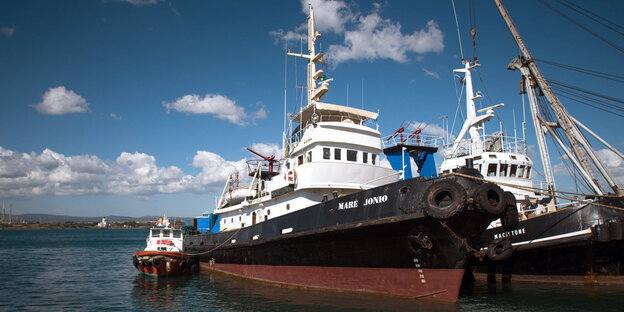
(590, 72)
(579, 9)
(461, 50)
(581, 26)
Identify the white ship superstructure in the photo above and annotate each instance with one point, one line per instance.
(499, 158)
(333, 150)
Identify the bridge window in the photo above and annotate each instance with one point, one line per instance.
(177, 234)
(326, 153)
(491, 170)
(309, 158)
(166, 233)
(299, 160)
(155, 233)
(373, 158)
(351, 155)
(528, 172)
(503, 170)
(337, 152)
(364, 157)
(521, 171)
(512, 172)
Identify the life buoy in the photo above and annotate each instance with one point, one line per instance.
(182, 266)
(291, 176)
(510, 219)
(490, 198)
(444, 199)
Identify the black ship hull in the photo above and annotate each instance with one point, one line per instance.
(382, 240)
(579, 244)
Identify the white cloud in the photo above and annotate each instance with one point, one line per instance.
(431, 73)
(7, 31)
(377, 38)
(136, 174)
(114, 116)
(220, 106)
(267, 150)
(426, 128)
(366, 37)
(58, 101)
(614, 163)
(328, 15)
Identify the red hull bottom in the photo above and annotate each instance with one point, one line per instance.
(161, 263)
(437, 284)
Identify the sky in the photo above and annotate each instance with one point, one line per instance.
(143, 107)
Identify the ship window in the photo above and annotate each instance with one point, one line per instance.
(493, 156)
(309, 158)
(288, 165)
(287, 206)
(491, 170)
(337, 152)
(528, 172)
(299, 160)
(177, 234)
(373, 158)
(268, 212)
(326, 153)
(521, 171)
(513, 157)
(155, 233)
(351, 155)
(512, 172)
(364, 157)
(503, 170)
(166, 233)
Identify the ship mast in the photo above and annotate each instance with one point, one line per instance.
(581, 149)
(315, 93)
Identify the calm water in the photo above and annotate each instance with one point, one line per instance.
(87, 270)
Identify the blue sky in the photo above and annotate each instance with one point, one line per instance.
(141, 107)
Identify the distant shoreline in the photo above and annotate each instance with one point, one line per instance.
(75, 225)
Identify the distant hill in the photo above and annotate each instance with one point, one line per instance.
(38, 217)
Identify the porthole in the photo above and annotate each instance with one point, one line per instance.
(268, 212)
(287, 206)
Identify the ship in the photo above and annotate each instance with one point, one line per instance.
(561, 237)
(328, 214)
(164, 256)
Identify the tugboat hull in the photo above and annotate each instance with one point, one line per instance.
(162, 264)
(580, 244)
(388, 245)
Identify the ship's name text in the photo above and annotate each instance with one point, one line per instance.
(509, 233)
(367, 201)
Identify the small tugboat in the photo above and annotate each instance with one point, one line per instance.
(163, 255)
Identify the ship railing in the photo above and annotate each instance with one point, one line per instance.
(266, 167)
(414, 140)
(488, 143)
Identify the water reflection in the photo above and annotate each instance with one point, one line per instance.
(166, 294)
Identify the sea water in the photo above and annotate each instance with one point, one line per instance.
(91, 270)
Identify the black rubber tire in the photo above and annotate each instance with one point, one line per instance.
(135, 261)
(444, 199)
(491, 198)
(510, 219)
(157, 262)
(182, 265)
(499, 249)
